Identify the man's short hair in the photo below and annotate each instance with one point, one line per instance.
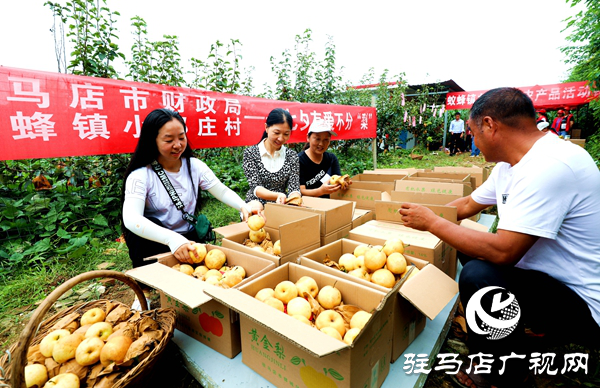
(506, 105)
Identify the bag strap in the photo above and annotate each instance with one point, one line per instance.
(162, 175)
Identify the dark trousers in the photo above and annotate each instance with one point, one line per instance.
(547, 307)
(455, 143)
(140, 248)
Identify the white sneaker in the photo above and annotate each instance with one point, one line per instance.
(137, 305)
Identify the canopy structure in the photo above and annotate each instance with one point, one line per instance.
(47, 115)
(551, 97)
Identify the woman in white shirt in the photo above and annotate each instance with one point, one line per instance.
(152, 223)
(273, 170)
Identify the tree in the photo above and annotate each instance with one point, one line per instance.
(92, 32)
(584, 53)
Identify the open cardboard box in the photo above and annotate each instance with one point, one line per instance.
(335, 214)
(419, 244)
(427, 199)
(372, 176)
(388, 211)
(198, 315)
(426, 297)
(297, 230)
(286, 351)
(365, 199)
(360, 216)
(418, 186)
(480, 173)
(450, 177)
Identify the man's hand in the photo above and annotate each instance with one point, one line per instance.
(417, 216)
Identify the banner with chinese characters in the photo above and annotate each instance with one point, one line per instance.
(557, 96)
(44, 115)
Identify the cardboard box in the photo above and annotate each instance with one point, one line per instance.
(198, 316)
(388, 211)
(449, 177)
(416, 186)
(370, 176)
(335, 214)
(343, 232)
(406, 171)
(408, 319)
(365, 199)
(481, 174)
(373, 185)
(298, 231)
(575, 133)
(422, 245)
(286, 351)
(362, 216)
(427, 199)
(579, 142)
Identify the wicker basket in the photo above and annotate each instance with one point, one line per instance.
(12, 364)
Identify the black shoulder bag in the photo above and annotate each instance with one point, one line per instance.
(202, 225)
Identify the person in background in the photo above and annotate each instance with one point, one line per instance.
(559, 125)
(457, 128)
(544, 253)
(316, 165)
(541, 116)
(569, 121)
(544, 126)
(273, 170)
(468, 138)
(151, 222)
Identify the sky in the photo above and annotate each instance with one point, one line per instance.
(480, 44)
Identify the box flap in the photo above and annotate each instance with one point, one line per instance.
(388, 211)
(430, 291)
(423, 198)
(294, 330)
(383, 230)
(433, 187)
(474, 225)
(180, 286)
(233, 229)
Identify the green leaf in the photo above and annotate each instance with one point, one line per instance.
(99, 219)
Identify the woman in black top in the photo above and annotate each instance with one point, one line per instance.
(316, 165)
(272, 170)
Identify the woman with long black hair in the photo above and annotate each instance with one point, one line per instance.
(152, 224)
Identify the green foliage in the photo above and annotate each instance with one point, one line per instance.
(91, 30)
(221, 72)
(584, 52)
(154, 62)
(82, 205)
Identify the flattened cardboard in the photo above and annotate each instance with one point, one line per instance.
(335, 214)
(388, 211)
(422, 245)
(480, 173)
(409, 311)
(433, 187)
(365, 199)
(198, 315)
(285, 350)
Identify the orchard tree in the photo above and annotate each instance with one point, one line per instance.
(92, 32)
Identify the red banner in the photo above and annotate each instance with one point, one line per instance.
(44, 115)
(566, 95)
